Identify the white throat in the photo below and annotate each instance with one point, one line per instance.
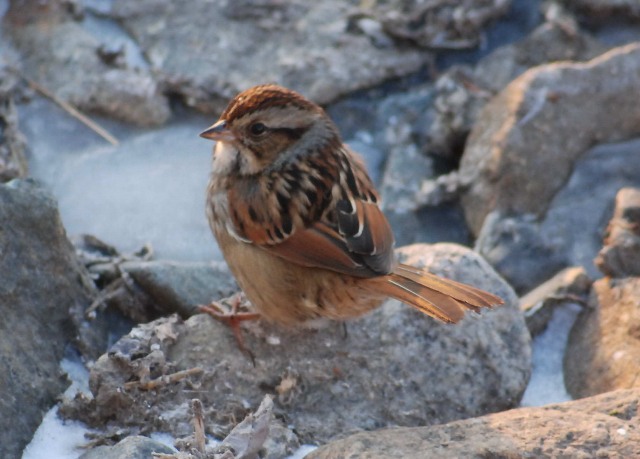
(225, 158)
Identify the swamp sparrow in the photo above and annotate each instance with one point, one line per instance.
(299, 223)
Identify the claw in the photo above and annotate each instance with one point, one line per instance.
(232, 318)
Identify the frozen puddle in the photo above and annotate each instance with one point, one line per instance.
(149, 189)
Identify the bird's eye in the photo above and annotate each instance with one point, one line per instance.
(257, 129)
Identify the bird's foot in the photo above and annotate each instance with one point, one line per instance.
(228, 311)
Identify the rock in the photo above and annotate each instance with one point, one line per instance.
(392, 367)
(521, 134)
(522, 131)
(41, 282)
(281, 442)
(440, 24)
(603, 10)
(59, 54)
(603, 352)
(397, 122)
(143, 289)
(258, 435)
(527, 251)
(136, 447)
(146, 290)
(247, 438)
(462, 91)
(13, 161)
(571, 285)
(517, 249)
(181, 286)
(404, 169)
(603, 426)
(620, 256)
(321, 49)
(435, 120)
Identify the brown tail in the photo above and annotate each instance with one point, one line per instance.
(437, 297)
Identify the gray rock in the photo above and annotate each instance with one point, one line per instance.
(13, 161)
(404, 170)
(571, 285)
(400, 118)
(41, 282)
(462, 92)
(308, 46)
(603, 10)
(527, 251)
(603, 351)
(258, 435)
(58, 53)
(540, 125)
(578, 215)
(439, 24)
(247, 438)
(143, 289)
(531, 232)
(517, 249)
(434, 120)
(603, 426)
(392, 367)
(136, 447)
(620, 256)
(281, 442)
(181, 286)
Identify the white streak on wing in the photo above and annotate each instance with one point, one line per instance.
(232, 231)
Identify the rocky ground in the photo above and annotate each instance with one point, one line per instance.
(525, 151)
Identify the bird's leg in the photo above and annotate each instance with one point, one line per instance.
(345, 330)
(232, 317)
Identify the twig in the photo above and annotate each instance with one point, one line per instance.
(163, 380)
(198, 425)
(84, 119)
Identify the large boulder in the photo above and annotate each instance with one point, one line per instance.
(540, 125)
(535, 194)
(323, 49)
(68, 61)
(603, 426)
(392, 367)
(41, 280)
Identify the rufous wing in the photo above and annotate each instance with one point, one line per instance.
(367, 252)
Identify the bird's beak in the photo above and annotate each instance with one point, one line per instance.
(218, 132)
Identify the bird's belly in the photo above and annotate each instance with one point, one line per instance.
(290, 294)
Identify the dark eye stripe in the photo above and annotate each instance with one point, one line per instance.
(292, 133)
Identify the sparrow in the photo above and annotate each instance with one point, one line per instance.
(298, 220)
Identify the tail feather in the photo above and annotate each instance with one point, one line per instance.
(475, 298)
(435, 296)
